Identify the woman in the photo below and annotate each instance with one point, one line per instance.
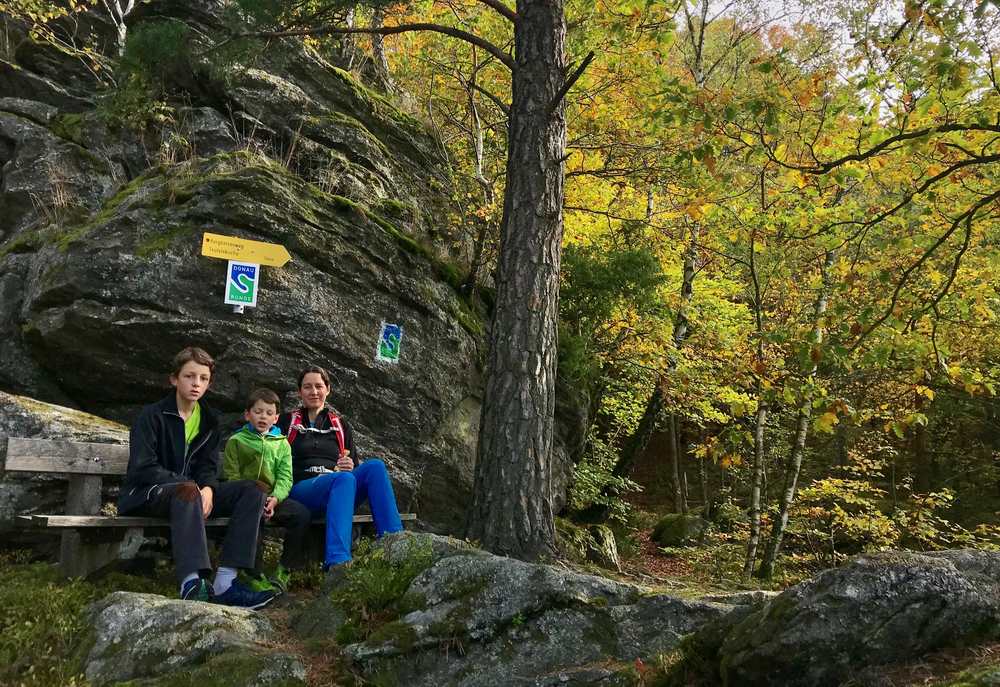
(329, 478)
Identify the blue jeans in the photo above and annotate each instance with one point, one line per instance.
(337, 494)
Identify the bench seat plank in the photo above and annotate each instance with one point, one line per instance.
(90, 521)
(65, 457)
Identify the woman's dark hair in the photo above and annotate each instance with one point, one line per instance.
(314, 369)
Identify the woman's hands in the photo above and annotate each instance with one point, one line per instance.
(344, 463)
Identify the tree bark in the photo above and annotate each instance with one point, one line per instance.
(755, 487)
(675, 473)
(378, 52)
(512, 511)
(794, 465)
(757, 474)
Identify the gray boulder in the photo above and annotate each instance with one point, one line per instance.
(479, 619)
(154, 640)
(878, 609)
(677, 529)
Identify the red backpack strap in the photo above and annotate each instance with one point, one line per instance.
(338, 428)
(294, 424)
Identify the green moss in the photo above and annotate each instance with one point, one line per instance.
(602, 631)
(980, 676)
(397, 209)
(68, 126)
(25, 242)
(342, 120)
(676, 529)
(43, 627)
(158, 243)
(69, 233)
(467, 587)
(228, 670)
(399, 634)
(412, 601)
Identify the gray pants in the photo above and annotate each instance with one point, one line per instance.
(242, 502)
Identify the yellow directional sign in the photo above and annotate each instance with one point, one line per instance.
(244, 250)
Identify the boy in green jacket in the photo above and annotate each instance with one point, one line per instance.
(259, 451)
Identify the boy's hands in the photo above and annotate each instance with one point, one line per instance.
(344, 463)
(206, 501)
(270, 503)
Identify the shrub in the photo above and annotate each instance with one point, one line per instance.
(374, 588)
(594, 483)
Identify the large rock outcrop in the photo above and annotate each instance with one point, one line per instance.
(101, 277)
(149, 640)
(477, 619)
(876, 610)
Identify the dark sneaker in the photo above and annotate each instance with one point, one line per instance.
(255, 581)
(280, 579)
(197, 590)
(238, 595)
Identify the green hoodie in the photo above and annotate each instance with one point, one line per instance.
(266, 458)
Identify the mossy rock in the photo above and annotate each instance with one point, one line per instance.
(677, 529)
(234, 670)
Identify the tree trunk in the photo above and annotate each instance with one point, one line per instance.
(755, 488)
(757, 475)
(348, 42)
(511, 511)
(378, 52)
(706, 507)
(802, 431)
(675, 473)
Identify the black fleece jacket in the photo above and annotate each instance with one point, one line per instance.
(316, 448)
(157, 454)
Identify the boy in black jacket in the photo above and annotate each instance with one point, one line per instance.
(173, 469)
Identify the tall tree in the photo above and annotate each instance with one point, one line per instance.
(512, 499)
(512, 502)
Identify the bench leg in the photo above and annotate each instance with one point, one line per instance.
(83, 553)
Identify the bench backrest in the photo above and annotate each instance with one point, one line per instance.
(60, 456)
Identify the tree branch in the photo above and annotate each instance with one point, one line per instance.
(966, 217)
(824, 167)
(502, 9)
(569, 83)
(495, 99)
(389, 30)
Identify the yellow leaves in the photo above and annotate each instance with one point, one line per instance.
(982, 312)
(696, 210)
(729, 460)
(826, 422)
(924, 391)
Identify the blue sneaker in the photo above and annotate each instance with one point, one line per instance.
(238, 595)
(197, 590)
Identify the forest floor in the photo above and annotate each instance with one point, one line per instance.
(36, 654)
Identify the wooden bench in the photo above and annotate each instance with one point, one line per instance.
(91, 541)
